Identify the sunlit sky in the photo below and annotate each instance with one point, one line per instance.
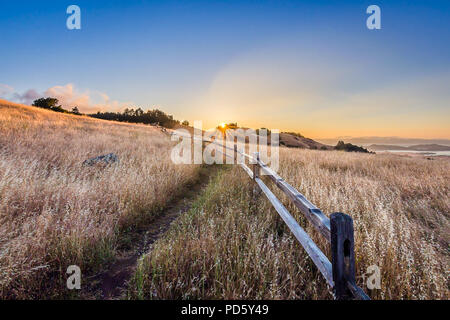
(306, 66)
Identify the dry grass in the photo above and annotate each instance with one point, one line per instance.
(400, 207)
(233, 245)
(54, 212)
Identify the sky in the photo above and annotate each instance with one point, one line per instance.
(306, 66)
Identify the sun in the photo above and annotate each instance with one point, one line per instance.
(223, 125)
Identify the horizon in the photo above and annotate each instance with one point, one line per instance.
(312, 68)
(363, 141)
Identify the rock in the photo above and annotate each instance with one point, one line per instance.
(105, 159)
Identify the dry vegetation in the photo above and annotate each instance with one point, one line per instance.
(233, 245)
(54, 212)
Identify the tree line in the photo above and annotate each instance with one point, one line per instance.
(154, 117)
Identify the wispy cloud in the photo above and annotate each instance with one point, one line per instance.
(69, 96)
(5, 90)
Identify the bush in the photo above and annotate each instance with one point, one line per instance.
(76, 111)
(350, 147)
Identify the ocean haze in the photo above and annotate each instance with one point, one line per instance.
(365, 141)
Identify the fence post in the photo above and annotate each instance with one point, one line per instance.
(256, 168)
(342, 254)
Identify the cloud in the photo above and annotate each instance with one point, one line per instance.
(87, 101)
(27, 97)
(5, 90)
(68, 97)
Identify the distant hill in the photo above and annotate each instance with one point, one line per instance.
(295, 140)
(367, 141)
(418, 147)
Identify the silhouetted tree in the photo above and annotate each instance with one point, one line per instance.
(49, 103)
(350, 147)
(139, 116)
(76, 111)
(46, 103)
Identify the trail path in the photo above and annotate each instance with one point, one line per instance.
(111, 284)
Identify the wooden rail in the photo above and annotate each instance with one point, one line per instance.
(337, 230)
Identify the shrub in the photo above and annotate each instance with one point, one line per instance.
(76, 111)
(350, 147)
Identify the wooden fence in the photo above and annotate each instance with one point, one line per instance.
(337, 230)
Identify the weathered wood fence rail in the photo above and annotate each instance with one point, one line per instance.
(337, 230)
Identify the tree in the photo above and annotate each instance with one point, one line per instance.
(139, 112)
(139, 116)
(49, 103)
(185, 123)
(46, 103)
(350, 147)
(76, 111)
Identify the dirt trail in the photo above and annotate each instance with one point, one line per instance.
(112, 283)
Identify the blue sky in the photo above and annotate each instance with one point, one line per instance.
(308, 66)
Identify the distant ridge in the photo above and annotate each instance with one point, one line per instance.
(293, 140)
(418, 147)
(397, 141)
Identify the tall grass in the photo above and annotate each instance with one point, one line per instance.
(400, 207)
(232, 244)
(55, 212)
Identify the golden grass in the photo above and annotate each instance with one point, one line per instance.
(400, 207)
(233, 245)
(54, 212)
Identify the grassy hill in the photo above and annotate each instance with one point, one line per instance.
(55, 212)
(293, 140)
(233, 245)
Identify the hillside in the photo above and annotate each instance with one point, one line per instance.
(229, 243)
(55, 211)
(293, 140)
(233, 245)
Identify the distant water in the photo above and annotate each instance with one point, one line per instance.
(425, 153)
